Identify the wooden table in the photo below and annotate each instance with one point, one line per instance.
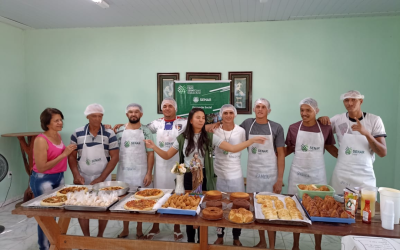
(26, 145)
(58, 240)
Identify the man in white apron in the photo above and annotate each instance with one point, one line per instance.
(227, 165)
(98, 154)
(135, 160)
(266, 162)
(167, 130)
(308, 139)
(360, 135)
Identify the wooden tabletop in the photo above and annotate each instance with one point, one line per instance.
(358, 228)
(21, 134)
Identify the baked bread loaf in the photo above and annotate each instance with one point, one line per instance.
(213, 195)
(295, 213)
(290, 202)
(212, 213)
(239, 195)
(279, 204)
(240, 203)
(240, 215)
(217, 204)
(270, 213)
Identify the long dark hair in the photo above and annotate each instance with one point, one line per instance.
(189, 135)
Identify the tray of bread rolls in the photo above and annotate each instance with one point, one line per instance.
(280, 209)
(325, 209)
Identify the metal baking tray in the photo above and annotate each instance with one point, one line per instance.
(104, 184)
(35, 202)
(260, 218)
(181, 211)
(327, 219)
(88, 208)
(119, 207)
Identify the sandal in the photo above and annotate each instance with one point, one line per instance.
(178, 236)
(123, 237)
(140, 237)
(150, 236)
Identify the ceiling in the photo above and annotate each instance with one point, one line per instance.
(50, 14)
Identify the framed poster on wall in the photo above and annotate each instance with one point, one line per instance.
(203, 76)
(241, 91)
(165, 87)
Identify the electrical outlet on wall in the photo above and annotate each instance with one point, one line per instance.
(9, 174)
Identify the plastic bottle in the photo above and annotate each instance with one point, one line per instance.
(366, 213)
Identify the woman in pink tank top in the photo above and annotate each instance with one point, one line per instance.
(49, 160)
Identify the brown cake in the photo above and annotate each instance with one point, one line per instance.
(214, 204)
(212, 213)
(240, 203)
(214, 195)
(239, 195)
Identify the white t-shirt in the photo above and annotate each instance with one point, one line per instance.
(195, 158)
(179, 123)
(222, 167)
(373, 123)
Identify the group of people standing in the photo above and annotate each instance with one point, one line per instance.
(95, 150)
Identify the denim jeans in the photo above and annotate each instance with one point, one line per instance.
(40, 184)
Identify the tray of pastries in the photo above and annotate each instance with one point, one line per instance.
(181, 204)
(279, 209)
(325, 210)
(146, 200)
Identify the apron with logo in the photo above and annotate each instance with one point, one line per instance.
(228, 169)
(132, 167)
(262, 168)
(354, 163)
(93, 161)
(308, 166)
(163, 178)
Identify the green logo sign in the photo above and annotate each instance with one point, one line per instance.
(87, 162)
(254, 150)
(181, 89)
(225, 152)
(161, 144)
(348, 151)
(304, 148)
(126, 144)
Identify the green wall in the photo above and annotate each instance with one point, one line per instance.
(70, 68)
(13, 108)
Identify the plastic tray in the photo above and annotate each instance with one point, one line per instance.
(312, 194)
(327, 219)
(181, 211)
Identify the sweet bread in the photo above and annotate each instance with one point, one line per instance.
(270, 214)
(295, 213)
(279, 204)
(240, 203)
(240, 215)
(212, 213)
(239, 195)
(290, 202)
(213, 195)
(284, 214)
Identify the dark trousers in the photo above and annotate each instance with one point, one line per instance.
(235, 231)
(187, 183)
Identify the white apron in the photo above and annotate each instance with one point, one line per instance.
(163, 178)
(262, 168)
(354, 163)
(228, 169)
(308, 166)
(93, 161)
(132, 167)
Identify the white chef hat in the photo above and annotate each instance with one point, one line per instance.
(134, 105)
(310, 102)
(352, 94)
(171, 101)
(227, 107)
(93, 108)
(264, 102)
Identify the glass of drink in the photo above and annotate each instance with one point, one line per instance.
(369, 193)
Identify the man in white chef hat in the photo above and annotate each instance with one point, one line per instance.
(96, 156)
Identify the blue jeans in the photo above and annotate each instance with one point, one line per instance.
(40, 184)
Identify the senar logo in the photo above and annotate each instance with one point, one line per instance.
(195, 99)
(161, 144)
(304, 148)
(87, 162)
(348, 151)
(127, 144)
(254, 150)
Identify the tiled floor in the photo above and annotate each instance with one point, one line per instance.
(21, 233)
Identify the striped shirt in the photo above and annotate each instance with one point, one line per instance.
(109, 140)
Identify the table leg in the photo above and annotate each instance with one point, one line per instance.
(50, 229)
(203, 238)
(63, 223)
(27, 149)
